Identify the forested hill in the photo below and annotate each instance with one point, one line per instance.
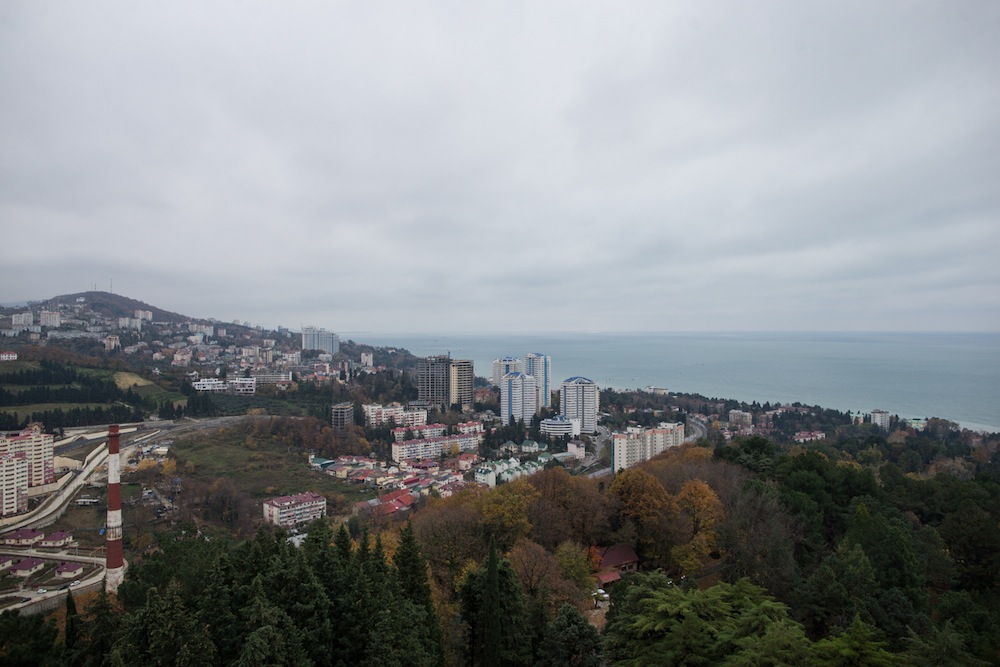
(114, 305)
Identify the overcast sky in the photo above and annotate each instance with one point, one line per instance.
(458, 167)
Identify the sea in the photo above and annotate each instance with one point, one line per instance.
(954, 376)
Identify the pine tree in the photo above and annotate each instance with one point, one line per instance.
(492, 606)
(163, 632)
(411, 575)
(272, 638)
(570, 641)
(72, 625)
(98, 631)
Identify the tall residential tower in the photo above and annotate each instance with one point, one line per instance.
(540, 366)
(580, 399)
(518, 398)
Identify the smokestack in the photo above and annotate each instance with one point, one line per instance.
(115, 563)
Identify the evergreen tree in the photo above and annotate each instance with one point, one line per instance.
(411, 575)
(855, 647)
(292, 586)
(98, 631)
(217, 611)
(570, 641)
(163, 633)
(493, 609)
(272, 638)
(72, 635)
(27, 641)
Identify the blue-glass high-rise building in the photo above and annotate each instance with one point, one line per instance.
(540, 366)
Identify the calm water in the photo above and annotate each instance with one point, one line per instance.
(952, 376)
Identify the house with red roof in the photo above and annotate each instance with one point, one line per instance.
(614, 561)
(69, 570)
(57, 539)
(27, 567)
(24, 537)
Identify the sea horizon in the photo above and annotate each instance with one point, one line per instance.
(948, 375)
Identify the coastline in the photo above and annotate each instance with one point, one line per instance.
(944, 375)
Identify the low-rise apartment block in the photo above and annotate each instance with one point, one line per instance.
(287, 511)
(641, 444)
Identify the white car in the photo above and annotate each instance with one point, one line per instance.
(75, 583)
(41, 590)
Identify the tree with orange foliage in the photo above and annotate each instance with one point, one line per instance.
(647, 506)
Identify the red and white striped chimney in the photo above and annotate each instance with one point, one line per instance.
(115, 563)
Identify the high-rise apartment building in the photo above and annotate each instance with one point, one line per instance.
(461, 384)
(35, 447)
(433, 379)
(320, 339)
(444, 381)
(342, 417)
(641, 444)
(540, 366)
(518, 398)
(505, 365)
(580, 399)
(13, 484)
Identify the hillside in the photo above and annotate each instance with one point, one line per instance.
(114, 305)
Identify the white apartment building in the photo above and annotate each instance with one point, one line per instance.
(559, 426)
(320, 339)
(432, 448)
(13, 484)
(273, 377)
(580, 399)
(518, 398)
(35, 447)
(740, 418)
(880, 418)
(50, 318)
(504, 366)
(207, 330)
(540, 366)
(22, 319)
(641, 444)
(418, 432)
(376, 415)
(467, 428)
(232, 385)
(287, 511)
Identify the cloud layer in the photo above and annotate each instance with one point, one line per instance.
(510, 166)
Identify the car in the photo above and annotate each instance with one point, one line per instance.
(75, 583)
(41, 590)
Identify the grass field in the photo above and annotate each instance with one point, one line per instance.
(254, 469)
(126, 380)
(20, 365)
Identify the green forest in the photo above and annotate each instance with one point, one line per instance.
(750, 553)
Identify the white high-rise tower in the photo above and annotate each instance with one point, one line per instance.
(540, 366)
(517, 398)
(580, 399)
(505, 365)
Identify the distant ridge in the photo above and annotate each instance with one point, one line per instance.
(116, 305)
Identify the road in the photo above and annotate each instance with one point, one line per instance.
(697, 428)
